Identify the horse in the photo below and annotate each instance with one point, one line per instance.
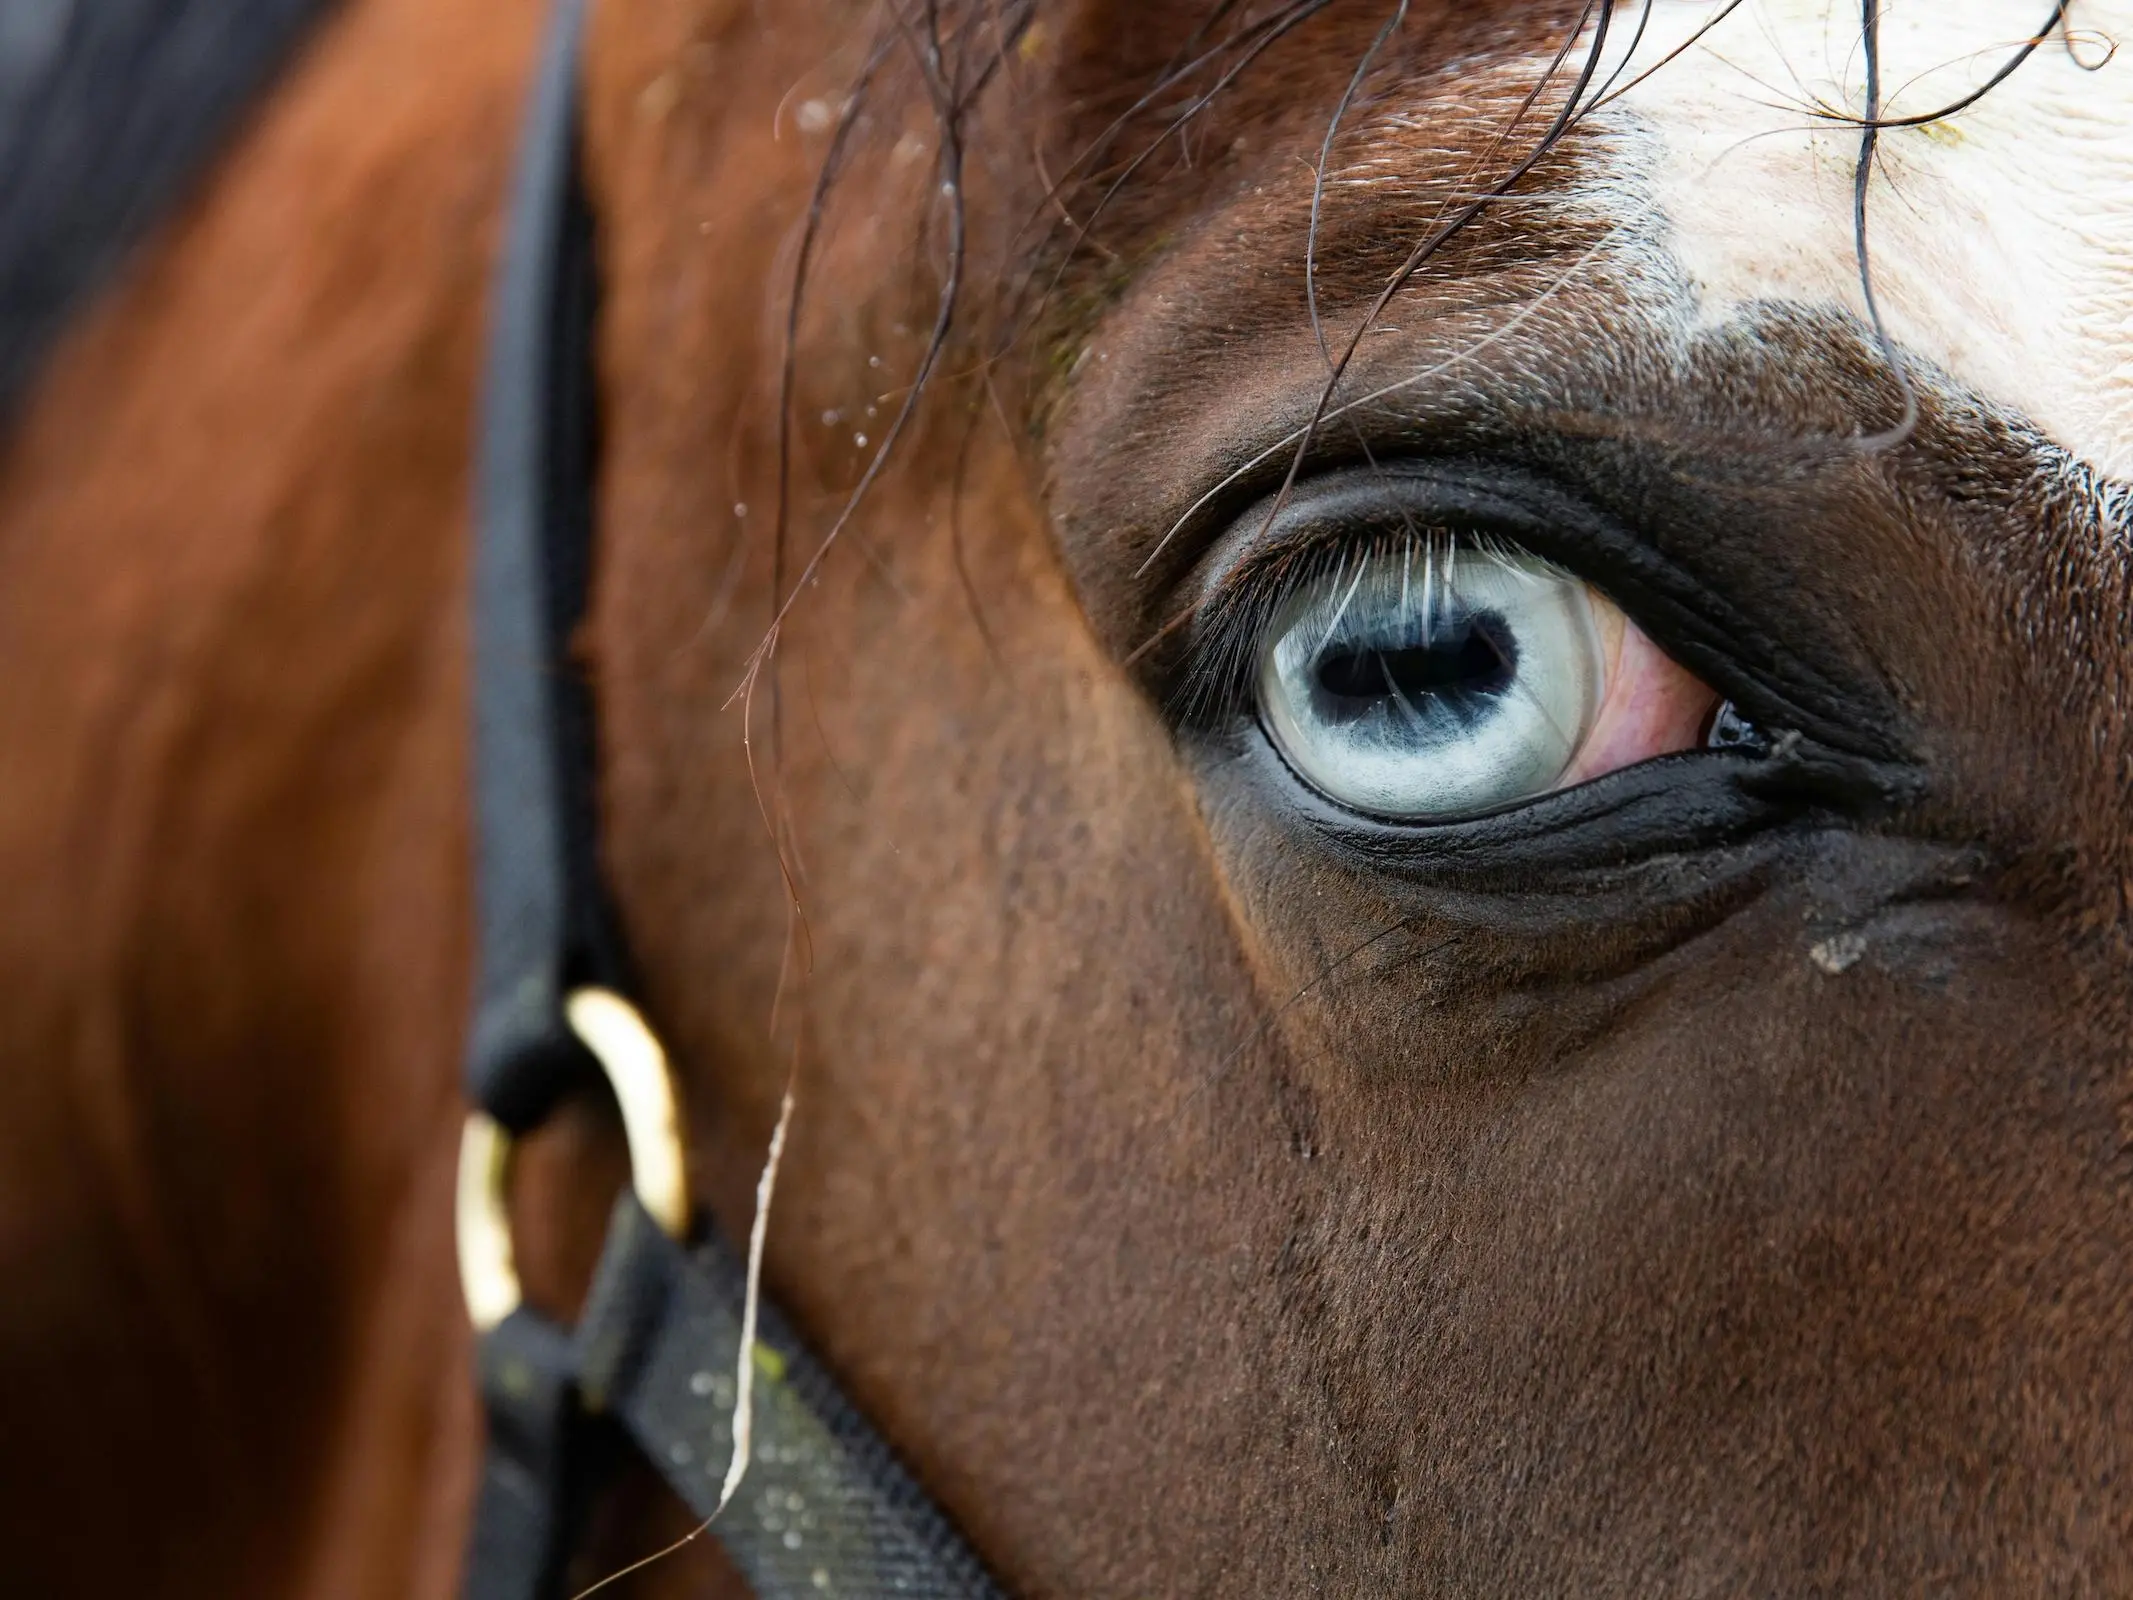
(1409, 722)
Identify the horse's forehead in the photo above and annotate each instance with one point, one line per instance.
(2002, 238)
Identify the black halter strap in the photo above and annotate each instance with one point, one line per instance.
(825, 1509)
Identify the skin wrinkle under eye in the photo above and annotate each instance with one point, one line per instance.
(2002, 238)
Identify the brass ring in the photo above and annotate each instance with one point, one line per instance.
(636, 1067)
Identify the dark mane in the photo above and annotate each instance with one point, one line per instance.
(108, 109)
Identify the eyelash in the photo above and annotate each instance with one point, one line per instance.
(1216, 679)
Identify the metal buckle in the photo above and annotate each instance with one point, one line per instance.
(636, 1067)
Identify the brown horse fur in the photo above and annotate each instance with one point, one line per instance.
(1206, 1198)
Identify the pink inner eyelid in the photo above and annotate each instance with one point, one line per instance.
(1649, 704)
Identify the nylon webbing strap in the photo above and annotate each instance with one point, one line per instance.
(539, 1463)
(543, 921)
(825, 1508)
(536, 893)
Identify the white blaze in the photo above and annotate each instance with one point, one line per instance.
(2002, 239)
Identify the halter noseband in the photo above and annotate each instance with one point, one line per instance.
(825, 1508)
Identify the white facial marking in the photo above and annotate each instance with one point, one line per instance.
(2001, 239)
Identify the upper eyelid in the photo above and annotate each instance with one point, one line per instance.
(1230, 566)
(1740, 647)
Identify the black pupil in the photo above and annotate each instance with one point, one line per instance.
(1465, 657)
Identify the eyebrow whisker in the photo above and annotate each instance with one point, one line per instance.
(1510, 325)
(1325, 154)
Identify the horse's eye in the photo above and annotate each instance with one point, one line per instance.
(1428, 680)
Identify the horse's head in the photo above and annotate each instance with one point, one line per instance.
(1445, 847)
(1327, 1063)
